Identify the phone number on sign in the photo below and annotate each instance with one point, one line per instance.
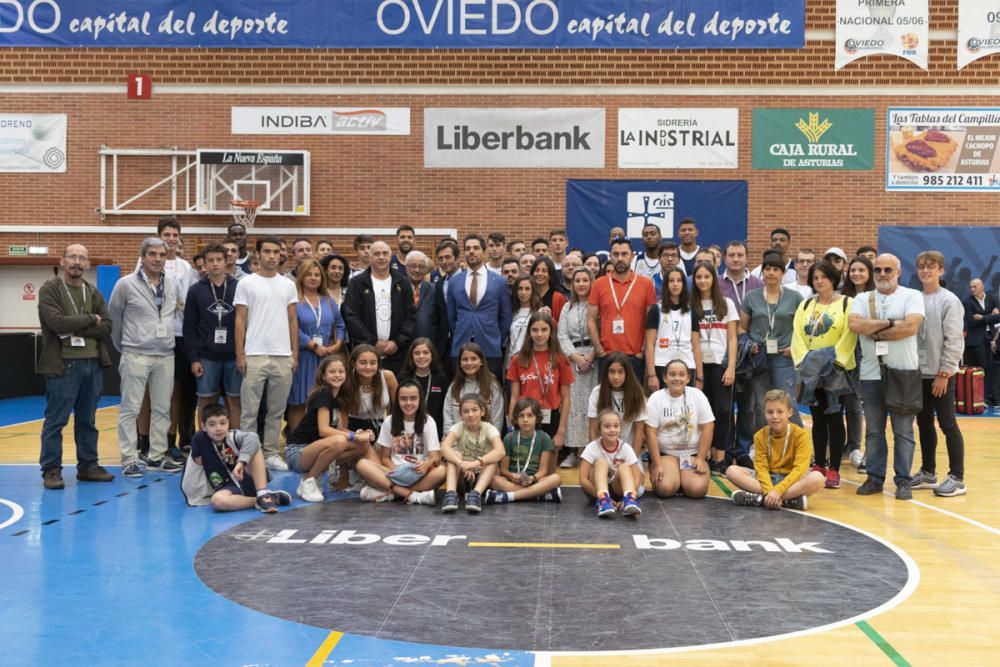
(957, 180)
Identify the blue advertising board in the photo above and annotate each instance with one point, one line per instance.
(406, 24)
(593, 208)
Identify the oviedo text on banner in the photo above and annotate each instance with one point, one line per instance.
(894, 27)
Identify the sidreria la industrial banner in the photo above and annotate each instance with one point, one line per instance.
(410, 24)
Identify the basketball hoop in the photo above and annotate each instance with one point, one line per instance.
(244, 211)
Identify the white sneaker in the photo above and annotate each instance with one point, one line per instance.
(856, 457)
(275, 462)
(569, 461)
(373, 495)
(309, 490)
(421, 498)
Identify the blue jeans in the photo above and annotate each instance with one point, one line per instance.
(781, 374)
(77, 390)
(876, 447)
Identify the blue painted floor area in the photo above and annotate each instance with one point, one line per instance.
(30, 408)
(102, 574)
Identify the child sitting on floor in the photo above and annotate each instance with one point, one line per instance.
(529, 453)
(471, 450)
(226, 468)
(781, 475)
(609, 466)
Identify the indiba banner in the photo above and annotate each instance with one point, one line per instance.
(894, 27)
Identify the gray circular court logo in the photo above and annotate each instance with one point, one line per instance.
(554, 578)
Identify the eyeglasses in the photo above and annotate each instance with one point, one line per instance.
(886, 270)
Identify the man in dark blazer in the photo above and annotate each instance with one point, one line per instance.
(447, 260)
(417, 266)
(479, 307)
(378, 309)
(981, 313)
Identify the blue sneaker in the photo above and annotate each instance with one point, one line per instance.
(473, 503)
(631, 507)
(132, 470)
(267, 503)
(450, 503)
(604, 506)
(495, 497)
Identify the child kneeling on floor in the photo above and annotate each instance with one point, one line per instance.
(782, 450)
(471, 450)
(409, 464)
(528, 451)
(609, 469)
(226, 468)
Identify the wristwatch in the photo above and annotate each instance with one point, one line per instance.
(892, 323)
(944, 374)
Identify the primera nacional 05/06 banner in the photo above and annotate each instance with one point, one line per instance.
(978, 30)
(410, 24)
(943, 149)
(895, 27)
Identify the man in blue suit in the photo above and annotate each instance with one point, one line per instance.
(480, 310)
(417, 266)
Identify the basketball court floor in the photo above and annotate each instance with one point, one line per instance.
(125, 573)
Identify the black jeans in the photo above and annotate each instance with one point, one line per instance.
(944, 408)
(720, 398)
(828, 433)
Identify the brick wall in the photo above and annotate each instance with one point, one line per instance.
(380, 181)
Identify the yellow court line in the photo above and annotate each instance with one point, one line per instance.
(544, 545)
(324, 650)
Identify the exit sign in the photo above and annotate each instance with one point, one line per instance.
(17, 250)
(140, 87)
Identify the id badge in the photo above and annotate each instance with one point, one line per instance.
(546, 415)
(221, 336)
(922, 358)
(772, 345)
(318, 340)
(685, 461)
(161, 330)
(77, 341)
(881, 348)
(618, 326)
(708, 355)
(664, 343)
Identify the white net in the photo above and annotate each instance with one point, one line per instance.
(244, 211)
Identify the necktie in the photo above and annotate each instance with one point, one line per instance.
(416, 295)
(474, 289)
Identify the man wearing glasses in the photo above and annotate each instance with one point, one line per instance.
(76, 329)
(887, 321)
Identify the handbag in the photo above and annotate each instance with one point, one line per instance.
(903, 390)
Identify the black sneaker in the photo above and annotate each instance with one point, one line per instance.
(869, 488)
(745, 461)
(450, 503)
(166, 464)
(718, 467)
(748, 498)
(133, 470)
(267, 504)
(283, 498)
(801, 503)
(176, 454)
(473, 503)
(903, 491)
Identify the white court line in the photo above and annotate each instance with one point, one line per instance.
(41, 419)
(544, 658)
(17, 513)
(971, 522)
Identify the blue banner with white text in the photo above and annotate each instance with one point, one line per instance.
(406, 24)
(594, 208)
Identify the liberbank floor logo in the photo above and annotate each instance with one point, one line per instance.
(555, 572)
(514, 138)
(840, 139)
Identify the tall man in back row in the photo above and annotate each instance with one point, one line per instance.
(75, 336)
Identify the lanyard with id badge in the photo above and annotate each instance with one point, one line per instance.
(219, 306)
(158, 296)
(317, 312)
(618, 324)
(77, 341)
(881, 346)
(522, 470)
(771, 343)
(544, 383)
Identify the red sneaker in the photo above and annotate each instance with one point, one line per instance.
(818, 468)
(832, 479)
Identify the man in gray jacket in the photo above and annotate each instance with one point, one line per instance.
(941, 345)
(142, 316)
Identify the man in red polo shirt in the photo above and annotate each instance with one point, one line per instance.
(617, 309)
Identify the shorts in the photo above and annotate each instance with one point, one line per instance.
(218, 373)
(293, 456)
(683, 455)
(246, 487)
(776, 477)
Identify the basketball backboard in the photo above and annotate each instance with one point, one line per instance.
(278, 179)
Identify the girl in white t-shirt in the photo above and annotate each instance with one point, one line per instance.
(524, 301)
(619, 390)
(680, 421)
(409, 465)
(718, 321)
(609, 469)
(672, 333)
(471, 450)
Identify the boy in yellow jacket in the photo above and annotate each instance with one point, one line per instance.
(782, 451)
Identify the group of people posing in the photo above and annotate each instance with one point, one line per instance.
(483, 376)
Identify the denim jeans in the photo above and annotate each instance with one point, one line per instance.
(76, 390)
(876, 447)
(781, 374)
(742, 432)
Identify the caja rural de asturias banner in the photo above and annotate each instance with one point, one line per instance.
(411, 24)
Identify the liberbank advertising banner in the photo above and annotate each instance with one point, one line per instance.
(814, 139)
(541, 24)
(895, 27)
(594, 207)
(943, 149)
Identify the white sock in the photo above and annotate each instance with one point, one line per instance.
(263, 492)
(510, 496)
